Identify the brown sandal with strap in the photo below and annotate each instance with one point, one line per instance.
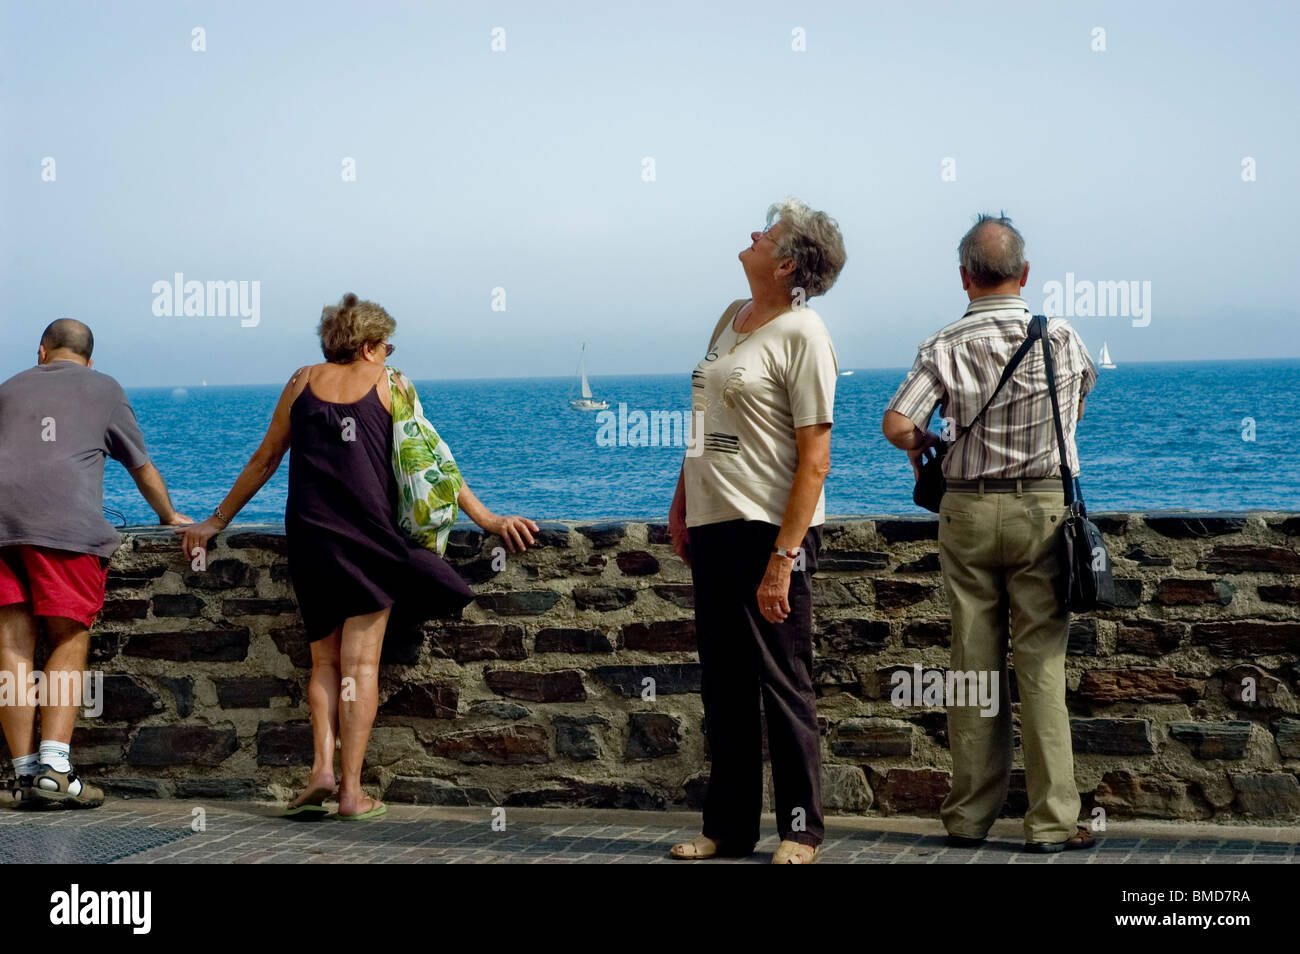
(699, 848)
(791, 853)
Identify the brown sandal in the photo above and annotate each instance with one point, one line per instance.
(699, 848)
(702, 848)
(789, 853)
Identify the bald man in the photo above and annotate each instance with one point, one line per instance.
(998, 523)
(58, 423)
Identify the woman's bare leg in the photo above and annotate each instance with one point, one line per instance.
(323, 697)
(361, 643)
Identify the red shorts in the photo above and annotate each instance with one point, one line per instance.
(55, 582)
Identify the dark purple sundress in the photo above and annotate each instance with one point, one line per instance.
(347, 556)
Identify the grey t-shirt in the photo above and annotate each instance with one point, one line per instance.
(58, 422)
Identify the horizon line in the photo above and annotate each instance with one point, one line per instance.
(650, 374)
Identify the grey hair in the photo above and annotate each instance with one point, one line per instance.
(814, 241)
(992, 252)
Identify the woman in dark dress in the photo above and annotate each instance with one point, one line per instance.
(348, 560)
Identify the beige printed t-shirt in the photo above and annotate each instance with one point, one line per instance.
(753, 390)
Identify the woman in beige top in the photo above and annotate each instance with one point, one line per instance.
(747, 517)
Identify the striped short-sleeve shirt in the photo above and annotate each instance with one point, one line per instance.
(957, 369)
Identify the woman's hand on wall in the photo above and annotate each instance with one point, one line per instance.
(516, 531)
(774, 591)
(198, 535)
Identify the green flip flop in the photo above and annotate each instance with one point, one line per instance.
(305, 813)
(311, 808)
(379, 809)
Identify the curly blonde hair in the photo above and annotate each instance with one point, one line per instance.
(346, 328)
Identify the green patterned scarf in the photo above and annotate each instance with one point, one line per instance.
(428, 480)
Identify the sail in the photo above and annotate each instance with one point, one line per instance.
(582, 369)
(1105, 354)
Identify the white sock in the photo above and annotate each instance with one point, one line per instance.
(55, 755)
(27, 764)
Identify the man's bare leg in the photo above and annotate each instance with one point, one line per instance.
(69, 648)
(57, 784)
(17, 655)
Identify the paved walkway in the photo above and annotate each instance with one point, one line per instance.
(180, 832)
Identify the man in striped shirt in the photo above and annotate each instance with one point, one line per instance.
(998, 527)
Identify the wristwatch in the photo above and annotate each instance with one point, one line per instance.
(791, 555)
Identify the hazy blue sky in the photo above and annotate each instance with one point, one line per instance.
(522, 170)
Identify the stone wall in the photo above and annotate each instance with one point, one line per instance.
(1183, 700)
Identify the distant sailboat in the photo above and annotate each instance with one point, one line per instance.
(586, 402)
(1105, 357)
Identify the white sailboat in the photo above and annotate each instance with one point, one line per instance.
(1104, 357)
(586, 402)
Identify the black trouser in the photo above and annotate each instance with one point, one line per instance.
(743, 656)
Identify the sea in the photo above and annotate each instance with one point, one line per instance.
(1211, 435)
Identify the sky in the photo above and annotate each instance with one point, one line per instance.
(593, 180)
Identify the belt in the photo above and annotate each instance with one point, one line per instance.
(1000, 485)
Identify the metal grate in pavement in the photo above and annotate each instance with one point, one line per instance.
(22, 844)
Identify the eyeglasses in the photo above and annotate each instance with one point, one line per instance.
(388, 350)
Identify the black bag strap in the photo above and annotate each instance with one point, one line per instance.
(1067, 479)
(1009, 370)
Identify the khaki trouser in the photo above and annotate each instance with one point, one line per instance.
(999, 559)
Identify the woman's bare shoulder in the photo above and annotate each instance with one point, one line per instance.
(298, 380)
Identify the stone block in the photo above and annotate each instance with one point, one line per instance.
(502, 745)
(562, 640)
(564, 685)
(871, 738)
(182, 745)
(422, 700)
(1126, 794)
(651, 735)
(1139, 684)
(467, 642)
(1112, 736)
(518, 602)
(661, 636)
(603, 598)
(1213, 740)
(637, 563)
(203, 645)
(668, 679)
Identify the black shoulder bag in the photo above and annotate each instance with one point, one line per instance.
(1086, 581)
(930, 484)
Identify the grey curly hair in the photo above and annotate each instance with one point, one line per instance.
(346, 328)
(813, 240)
